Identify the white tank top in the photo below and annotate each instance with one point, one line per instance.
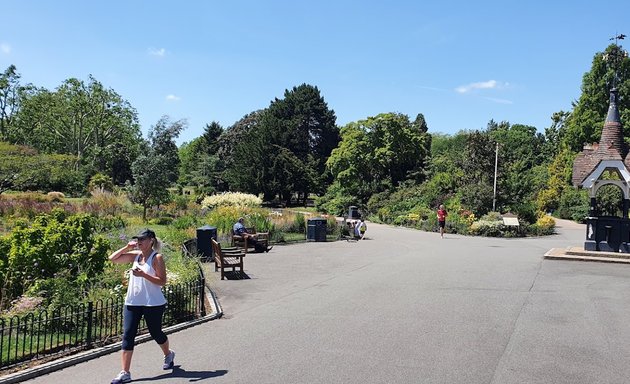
(141, 291)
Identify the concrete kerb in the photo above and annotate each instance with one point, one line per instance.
(577, 254)
(64, 362)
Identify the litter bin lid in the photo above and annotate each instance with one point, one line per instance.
(206, 227)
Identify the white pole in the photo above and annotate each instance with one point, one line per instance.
(496, 162)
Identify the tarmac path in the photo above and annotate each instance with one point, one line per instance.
(402, 306)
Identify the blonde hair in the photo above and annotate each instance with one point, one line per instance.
(156, 245)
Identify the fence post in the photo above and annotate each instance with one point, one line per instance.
(202, 296)
(90, 320)
(2, 343)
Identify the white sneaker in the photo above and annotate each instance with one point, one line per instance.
(123, 377)
(169, 360)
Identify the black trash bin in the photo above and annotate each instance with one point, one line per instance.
(316, 229)
(204, 245)
(353, 212)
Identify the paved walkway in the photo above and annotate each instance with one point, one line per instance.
(403, 306)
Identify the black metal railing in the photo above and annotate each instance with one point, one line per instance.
(66, 330)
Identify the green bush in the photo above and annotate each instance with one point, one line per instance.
(108, 223)
(162, 220)
(50, 245)
(185, 222)
(574, 205)
(526, 211)
(101, 183)
(335, 201)
(299, 224)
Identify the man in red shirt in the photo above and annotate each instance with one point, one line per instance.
(441, 216)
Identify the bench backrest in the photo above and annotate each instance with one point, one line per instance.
(216, 247)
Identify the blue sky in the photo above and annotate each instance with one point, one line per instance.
(460, 63)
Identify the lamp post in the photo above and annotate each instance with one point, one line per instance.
(496, 163)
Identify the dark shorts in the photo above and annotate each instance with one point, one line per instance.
(442, 224)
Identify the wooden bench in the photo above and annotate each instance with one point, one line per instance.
(239, 241)
(227, 258)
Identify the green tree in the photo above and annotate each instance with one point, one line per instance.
(585, 123)
(520, 152)
(162, 140)
(295, 134)
(200, 163)
(11, 94)
(150, 181)
(379, 154)
(237, 167)
(86, 120)
(198, 168)
(211, 134)
(554, 134)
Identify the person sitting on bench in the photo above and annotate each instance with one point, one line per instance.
(240, 230)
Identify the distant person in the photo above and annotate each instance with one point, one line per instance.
(240, 230)
(144, 297)
(441, 216)
(359, 229)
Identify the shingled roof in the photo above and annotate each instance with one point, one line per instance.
(610, 147)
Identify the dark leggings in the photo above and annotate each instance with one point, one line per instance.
(131, 319)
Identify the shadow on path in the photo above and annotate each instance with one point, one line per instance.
(236, 275)
(179, 372)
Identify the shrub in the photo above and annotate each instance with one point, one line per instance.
(162, 220)
(56, 196)
(100, 182)
(185, 222)
(299, 224)
(546, 222)
(487, 228)
(50, 245)
(231, 199)
(545, 225)
(525, 211)
(492, 216)
(105, 203)
(335, 201)
(378, 201)
(108, 223)
(574, 205)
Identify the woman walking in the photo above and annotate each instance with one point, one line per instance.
(144, 297)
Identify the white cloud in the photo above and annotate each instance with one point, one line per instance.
(490, 84)
(157, 52)
(172, 98)
(5, 48)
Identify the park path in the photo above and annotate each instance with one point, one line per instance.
(403, 306)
